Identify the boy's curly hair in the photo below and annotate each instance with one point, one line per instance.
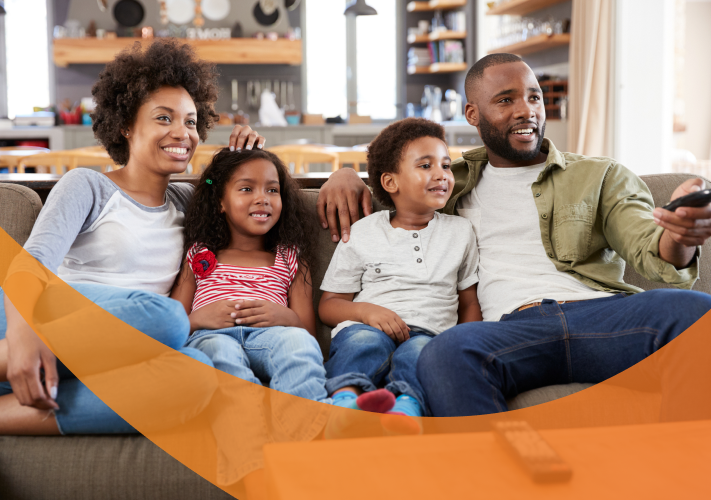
(128, 80)
(386, 150)
(207, 226)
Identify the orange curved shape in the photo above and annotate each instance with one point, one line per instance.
(222, 427)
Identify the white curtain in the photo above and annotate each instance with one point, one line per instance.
(590, 117)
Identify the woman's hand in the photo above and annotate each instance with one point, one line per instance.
(27, 356)
(214, 316)
(243, 136)
(385, 320)
(341, 196)
(265, 313)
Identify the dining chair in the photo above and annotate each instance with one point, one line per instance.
(301, 156)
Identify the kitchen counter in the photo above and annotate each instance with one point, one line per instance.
(457, 133)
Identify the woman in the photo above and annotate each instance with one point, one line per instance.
(117, 237)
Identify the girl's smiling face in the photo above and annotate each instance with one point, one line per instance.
(164, 134)
(252, 198)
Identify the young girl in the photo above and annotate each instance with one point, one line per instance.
(246, 280)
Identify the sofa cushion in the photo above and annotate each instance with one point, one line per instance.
(19, 207)
(91, 467)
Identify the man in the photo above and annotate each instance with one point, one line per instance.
(553, 230)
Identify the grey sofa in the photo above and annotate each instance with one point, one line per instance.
(122, 467)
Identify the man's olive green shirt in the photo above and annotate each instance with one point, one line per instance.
(594, 214)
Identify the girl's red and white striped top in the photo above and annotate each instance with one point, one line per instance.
(228, 282)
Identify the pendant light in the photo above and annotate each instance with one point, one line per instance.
(360, 8)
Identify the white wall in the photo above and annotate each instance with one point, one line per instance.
(644, 84)
(697, 80)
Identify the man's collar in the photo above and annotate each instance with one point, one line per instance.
(555, 157)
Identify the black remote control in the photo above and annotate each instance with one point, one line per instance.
(530, 449)
(697, 199)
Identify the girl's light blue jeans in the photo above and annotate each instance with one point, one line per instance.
(288, 359)
(161, 318)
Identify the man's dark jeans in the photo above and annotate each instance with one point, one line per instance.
(473, 368)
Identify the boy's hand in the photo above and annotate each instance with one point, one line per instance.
(263, 314)
(385, 320)
(215, 316)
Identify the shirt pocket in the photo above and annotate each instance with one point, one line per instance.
(573, 231)
(377, 272)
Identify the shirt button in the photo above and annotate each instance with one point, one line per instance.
(538, 194)
(419, 261)
(414, 235)
(545, 216)
(417, 249)
(550, 255)
(377, 270)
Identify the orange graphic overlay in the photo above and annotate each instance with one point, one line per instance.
(221, 427)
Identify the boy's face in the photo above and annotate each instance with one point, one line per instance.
(424, 180)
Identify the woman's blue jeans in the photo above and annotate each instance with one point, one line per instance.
(288, 359)
(473, 368)
(366, 357)
(161, 318)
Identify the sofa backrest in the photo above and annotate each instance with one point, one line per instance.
(19, 207)
(662, 186)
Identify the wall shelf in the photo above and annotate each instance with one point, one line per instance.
(436, 68)
(232, 51)
(535, 44)
(435, 5)
(520, 7)
(438, 35)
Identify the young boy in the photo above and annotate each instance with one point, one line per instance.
(403, 276)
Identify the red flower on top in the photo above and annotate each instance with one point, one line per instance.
(203, 263)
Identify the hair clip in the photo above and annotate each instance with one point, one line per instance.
(209, 181)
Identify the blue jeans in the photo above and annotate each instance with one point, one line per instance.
(473, 368)
(365, 357)
(163, 319)
(288, 359)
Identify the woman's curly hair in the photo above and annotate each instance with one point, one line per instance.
(127, 82)
(206, 225)
(386, 150)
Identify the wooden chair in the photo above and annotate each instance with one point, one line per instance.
(202, 157)
(44, 162)
(301, 156)
(67, 160)
(355, 156)
(91, 159)
(10, 156)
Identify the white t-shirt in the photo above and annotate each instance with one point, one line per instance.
(514, 269)
(415, 274)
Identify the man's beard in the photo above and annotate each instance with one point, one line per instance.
(500, 143)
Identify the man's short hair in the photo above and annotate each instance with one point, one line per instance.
(477, 71)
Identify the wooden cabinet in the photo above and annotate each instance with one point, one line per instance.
(233, 51)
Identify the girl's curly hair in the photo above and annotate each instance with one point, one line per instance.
(207, 226)
(386, 150)
(128, 80)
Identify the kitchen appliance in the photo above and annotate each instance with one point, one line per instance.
(431, 103)
(235, 95)
(129, 13)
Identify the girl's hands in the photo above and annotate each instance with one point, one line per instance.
(243, 136)
(27, 356)
(385, 320)
(214, 316)
(264, 313)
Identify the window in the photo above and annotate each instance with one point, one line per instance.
(376, 36)
(325, 31)
(27, 55)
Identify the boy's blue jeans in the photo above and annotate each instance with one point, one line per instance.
(287, 358)
(161, 318)
(473, 368)
(366, 357)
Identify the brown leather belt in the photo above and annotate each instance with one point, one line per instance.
(534, 304)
